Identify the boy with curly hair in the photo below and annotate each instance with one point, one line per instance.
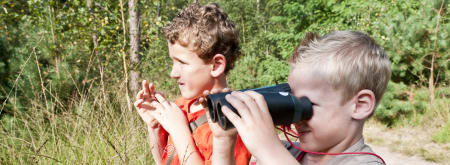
(203, 45)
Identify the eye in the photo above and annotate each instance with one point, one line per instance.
(182, 62)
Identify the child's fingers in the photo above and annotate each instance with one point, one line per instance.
(157, 112)
(240, 107)
(249, 102)
(137, 103)
(206, 93)
(151, 88)
(260, 101)
(174, 106)
(162, 100)
(147, 106)
(145, 87)
(139, 95)
(226, 90)
(202, 99)
(213, 91)
(232, 117)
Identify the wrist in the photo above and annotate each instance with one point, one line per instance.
(274, 154)
(224, 145)
(224, 139)
(223, 153)
(182, 136)
(267, 150)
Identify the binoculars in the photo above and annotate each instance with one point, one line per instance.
(284, 108)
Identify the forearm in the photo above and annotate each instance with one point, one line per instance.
(155, 144)
(186, 149)
(223, 151)
(275, 154)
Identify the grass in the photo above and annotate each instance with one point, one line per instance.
(442, 136)
(95, 131)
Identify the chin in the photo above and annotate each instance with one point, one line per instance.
(309, 146)
(188, 96)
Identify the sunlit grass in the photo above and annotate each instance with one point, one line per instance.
(95, 131)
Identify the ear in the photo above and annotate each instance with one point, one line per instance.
(218, 64)
(364, 104)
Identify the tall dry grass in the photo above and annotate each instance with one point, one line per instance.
(93, 129)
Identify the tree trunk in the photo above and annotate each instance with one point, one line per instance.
(134, 44)
(431, 80)
(92, 15)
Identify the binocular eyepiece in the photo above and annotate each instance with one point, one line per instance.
(283, 106)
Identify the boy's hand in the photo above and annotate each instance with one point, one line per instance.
(174, 121)
(223, 140)
(218, 132)
(169, 115)
(143, 104)
(255, 126)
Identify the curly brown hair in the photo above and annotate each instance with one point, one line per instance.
(207, 30)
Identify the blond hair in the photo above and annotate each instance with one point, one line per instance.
(207, 30)
(350, 60)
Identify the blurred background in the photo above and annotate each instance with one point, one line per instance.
(69, 70)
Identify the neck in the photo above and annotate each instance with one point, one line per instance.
(219, 85)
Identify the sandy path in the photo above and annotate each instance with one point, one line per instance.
(393, 158)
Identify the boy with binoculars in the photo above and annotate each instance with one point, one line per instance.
(203, 45)
(344, 74)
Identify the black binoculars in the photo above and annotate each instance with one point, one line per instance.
(283, 106)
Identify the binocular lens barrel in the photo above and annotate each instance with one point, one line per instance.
(283, 106)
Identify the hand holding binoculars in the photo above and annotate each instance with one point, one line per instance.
(283, 106)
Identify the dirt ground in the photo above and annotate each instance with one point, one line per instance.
(395, 158)
(406, 145)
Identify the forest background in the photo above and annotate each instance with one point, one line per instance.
(69, 70)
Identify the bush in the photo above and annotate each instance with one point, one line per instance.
(400, 101)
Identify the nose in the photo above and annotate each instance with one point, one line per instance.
(174, 72)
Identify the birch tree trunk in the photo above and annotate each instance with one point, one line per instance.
(134, 44)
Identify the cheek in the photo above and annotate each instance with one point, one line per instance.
(321, 120)
(197, 76)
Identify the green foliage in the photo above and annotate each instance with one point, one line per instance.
(403, 104)
(277, 26)
(400, 101)
(412, 47)
(55, 80)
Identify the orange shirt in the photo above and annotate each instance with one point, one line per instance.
(203, 138)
